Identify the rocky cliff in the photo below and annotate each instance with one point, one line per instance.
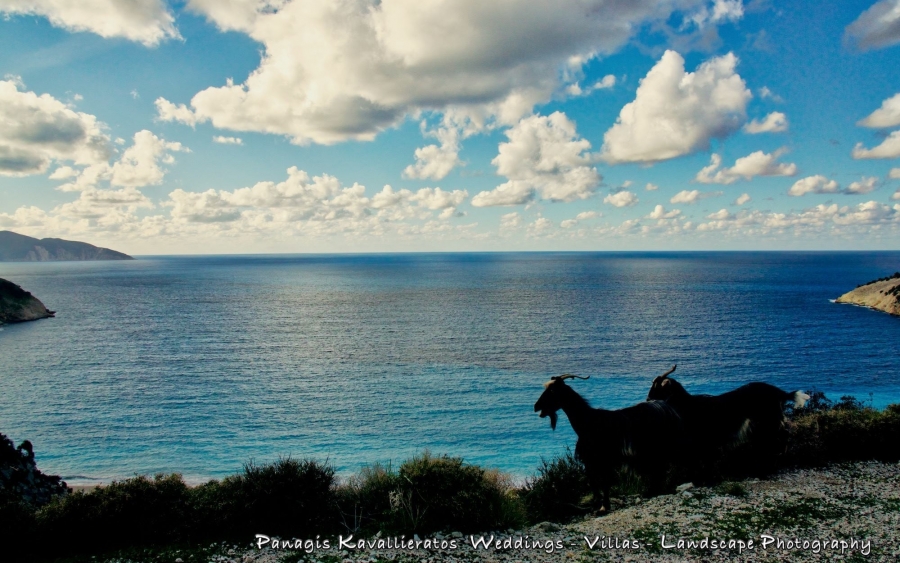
(20, 248)
(882, 294)
(18, 305)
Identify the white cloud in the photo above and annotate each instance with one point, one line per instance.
(623, 198)
(37, 130)
(692, 196)
(676, 112)
(227, 140)
(544, 157)
(767, 94)
(813, 185)
(742, 199)
(722, 11)
(604, 83)
(775, 122)
(144, 21)
(863, 186)
(896, 195)
(894, 174)
(746, 167)
(888, 115)
(889, 148)
(833, 220)
(167, 111)
(539, 226)
(140, 163)
(333, 71)
(433, 161)
(510, 220)
(651, 187)
(877, 27)
(585, 215)
(659, 212)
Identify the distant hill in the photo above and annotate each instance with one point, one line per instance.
(20, 248)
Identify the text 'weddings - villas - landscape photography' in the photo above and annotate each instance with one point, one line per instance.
(400, 281)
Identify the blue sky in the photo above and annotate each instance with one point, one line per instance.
(214, 126)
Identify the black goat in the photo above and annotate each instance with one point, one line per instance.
(645, 436)
(751, 413)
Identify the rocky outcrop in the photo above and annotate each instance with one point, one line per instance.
(18, 305)
(20, 248)
(882, 294)
(20, 479)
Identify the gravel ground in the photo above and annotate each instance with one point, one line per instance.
(800, 515)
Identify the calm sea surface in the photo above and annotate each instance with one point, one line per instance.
(198, 364)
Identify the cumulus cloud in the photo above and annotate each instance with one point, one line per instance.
(863, 186)
(510, 220)
(144, 21)
(436, 161)
(821, 219)
(877, 27)
(37, 130)
(167, 111)
(692, 196)
(767, 94)
(888, 115)
(651, 187)
(775, 122)
(659, 212)
(623, 198)
(677, 112)
(746, 167)
(896, 195)
(894, 174)
(813, 185)
(227, 140)
(721, 11)
(360, 66)
(742, 199)
(889, 148)
(544, 157)
(604, 83)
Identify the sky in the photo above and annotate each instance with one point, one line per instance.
(307, 126)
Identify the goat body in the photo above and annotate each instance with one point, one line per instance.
(645, 436)
(753, 412)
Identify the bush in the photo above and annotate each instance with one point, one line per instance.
(848, 431)
(427, 494)
(559, 491)
(288, 498)
(138, 511)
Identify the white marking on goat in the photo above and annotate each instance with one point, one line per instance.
(549, 383)
(800, 399)
(744, 433)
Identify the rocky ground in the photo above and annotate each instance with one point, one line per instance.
(845, 512)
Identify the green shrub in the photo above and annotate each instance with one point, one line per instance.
(433, 493)
(364, 501)
(137, 511)
(559, 491)
(848, 431)
(288, 498)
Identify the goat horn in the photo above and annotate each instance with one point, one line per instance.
(665, 375)
(565, 376)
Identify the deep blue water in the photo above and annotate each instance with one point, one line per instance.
(199, 364)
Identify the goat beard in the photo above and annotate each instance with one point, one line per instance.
(553, 418)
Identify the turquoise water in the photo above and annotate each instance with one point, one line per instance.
(198, 364)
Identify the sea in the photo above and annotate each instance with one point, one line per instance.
(200, 364)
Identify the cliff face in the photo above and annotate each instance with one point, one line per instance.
(20, 248)
(18, 305)
(883, 295)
